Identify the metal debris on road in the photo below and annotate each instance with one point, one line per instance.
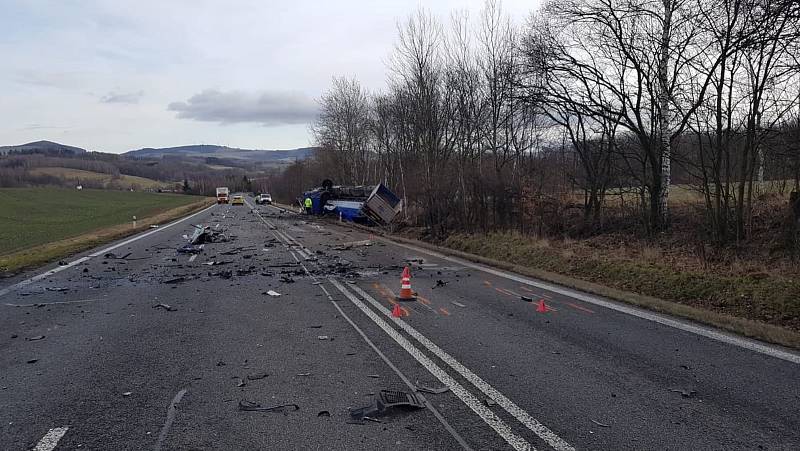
(36, 338)
(386, 403)
(166, 307)
(599, 423)
(684, 393)
(273, 293)
(256, 376)
(127, 393)
(304, 374)
(458, 304)
(249, 406)
(433, 391)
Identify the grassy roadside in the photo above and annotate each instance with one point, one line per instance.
(16, 261)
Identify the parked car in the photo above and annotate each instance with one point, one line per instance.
(264, 199)
(237, 200)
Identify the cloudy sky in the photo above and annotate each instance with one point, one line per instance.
(117, 75)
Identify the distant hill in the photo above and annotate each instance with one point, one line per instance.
(208, 151)
(45, 147)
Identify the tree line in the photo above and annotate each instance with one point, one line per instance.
(597, 106)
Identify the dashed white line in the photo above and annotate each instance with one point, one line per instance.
(50, 440)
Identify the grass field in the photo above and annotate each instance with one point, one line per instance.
(34, 216)
(78, 176)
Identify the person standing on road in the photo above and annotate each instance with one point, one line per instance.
(308, 205)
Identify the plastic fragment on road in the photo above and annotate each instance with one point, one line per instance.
(273, 293)
(249, 406)
(386, 403)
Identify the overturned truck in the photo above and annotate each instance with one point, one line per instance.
(365, 204)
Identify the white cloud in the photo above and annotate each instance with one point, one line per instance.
(267, 108)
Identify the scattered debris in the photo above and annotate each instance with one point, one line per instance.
(526, 298)
(323, 413)
(323, 337)
(599, 423)
(36, 338)
(458, 304)
(241, 383)
(32, 361)
(489, 402)
(304, 374)
(273, 293)
(220, 363)
(154, 226)
(166, 307)
(57, 289)
(175, 280)
(216, 263)
(433, 391)
(286, 279)
(440, 283)
(189, 249)
(127, 393)
(223, 274)
(114, 256)
(684, 393)
(256, 376)
(249, 406)
(386, 400)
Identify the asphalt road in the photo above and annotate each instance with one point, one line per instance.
(159, 349)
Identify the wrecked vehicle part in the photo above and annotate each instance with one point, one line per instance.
(386, 400)
(249, 406)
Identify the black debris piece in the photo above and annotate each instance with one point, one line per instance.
(114, 256)
(256, 376)
(526, 298)
(323, 413)
(166, 307)
(684, 393)
(386, 403)
(175, 280)
(440, 283)
(249, 406)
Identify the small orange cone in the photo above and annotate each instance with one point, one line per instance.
(405, 286)
(396, 312)
(541, 308)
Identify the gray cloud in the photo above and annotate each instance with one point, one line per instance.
(267, 108)
(120, 97)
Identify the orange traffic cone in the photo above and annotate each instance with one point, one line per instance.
(405, 286)
(396, 311)
(541, 308)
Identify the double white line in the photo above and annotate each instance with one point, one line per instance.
(487, 415)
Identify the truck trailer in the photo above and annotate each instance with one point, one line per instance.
(223, 195)
(365, 204)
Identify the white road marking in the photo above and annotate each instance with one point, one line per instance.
(707, 332)
(57, 270)
(50, 440)
(479, 408)
(517, 412)
(463, 394)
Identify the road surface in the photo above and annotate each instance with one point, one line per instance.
(159, 349)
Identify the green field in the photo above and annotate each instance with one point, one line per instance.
(78, 176)
(34, 216)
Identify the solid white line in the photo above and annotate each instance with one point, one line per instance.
(50, 440)
(531, 423)
(707, 332)
(58, 269)
(466, 397)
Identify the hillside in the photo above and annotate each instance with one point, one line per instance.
(45, 147)
(204, 151)
(98, 179)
